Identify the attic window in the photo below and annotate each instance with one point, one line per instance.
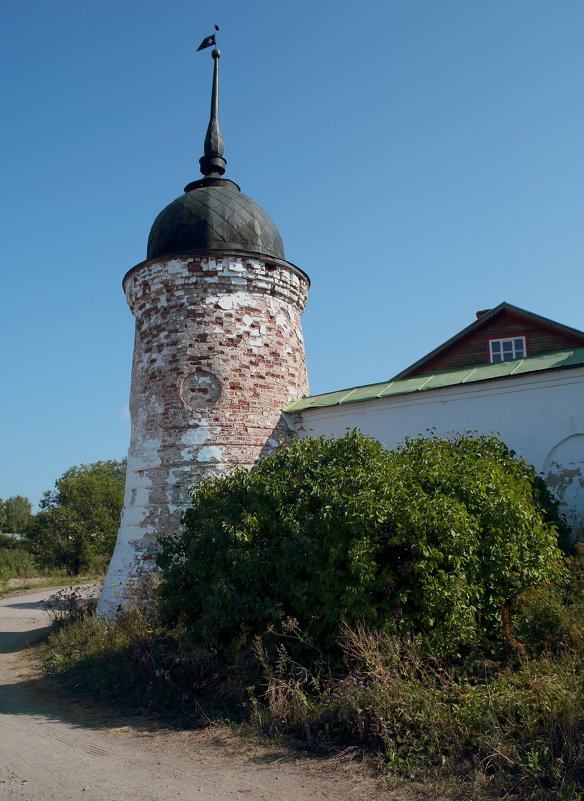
(503, 350)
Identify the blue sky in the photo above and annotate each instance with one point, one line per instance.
(421, 158)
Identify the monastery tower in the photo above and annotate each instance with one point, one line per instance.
(218, 353)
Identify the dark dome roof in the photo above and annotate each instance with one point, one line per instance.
(214, 218)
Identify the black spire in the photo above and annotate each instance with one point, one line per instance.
(213, 163)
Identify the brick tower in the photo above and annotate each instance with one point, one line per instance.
(218, 353)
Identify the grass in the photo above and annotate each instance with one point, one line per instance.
(515, 730)
(17, 563)
(510, 729)
(58, 580)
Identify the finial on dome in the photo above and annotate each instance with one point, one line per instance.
(213, 163)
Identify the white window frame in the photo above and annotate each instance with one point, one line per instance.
(507, 354)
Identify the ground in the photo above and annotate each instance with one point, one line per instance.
(54, 748)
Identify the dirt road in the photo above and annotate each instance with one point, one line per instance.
(54, 749)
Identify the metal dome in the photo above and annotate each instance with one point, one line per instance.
(214, 218)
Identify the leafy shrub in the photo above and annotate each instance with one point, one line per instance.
(549, 621)
(15, 562)
(18, 562)
(438, 536)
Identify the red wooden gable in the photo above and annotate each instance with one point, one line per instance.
(471, 345)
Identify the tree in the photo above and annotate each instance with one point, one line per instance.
(77, 525)
(15, 514)
(438, 537)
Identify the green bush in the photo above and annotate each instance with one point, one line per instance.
(549, 621)
(439, 536)
(15, 562)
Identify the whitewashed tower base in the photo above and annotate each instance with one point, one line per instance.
(218, 353)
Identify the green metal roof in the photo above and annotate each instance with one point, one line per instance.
(445, 378)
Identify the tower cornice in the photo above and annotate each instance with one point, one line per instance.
(219, 254)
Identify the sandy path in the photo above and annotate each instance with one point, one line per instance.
(51, 748)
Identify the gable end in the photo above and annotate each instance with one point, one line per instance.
(471, 346)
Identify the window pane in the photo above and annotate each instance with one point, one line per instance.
(495, 347)
(507, 346)
(497, 357)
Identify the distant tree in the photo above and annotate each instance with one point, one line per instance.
(16, 514)
(77, 524)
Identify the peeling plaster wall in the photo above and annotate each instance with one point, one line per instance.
(539, 415)
(218, 352)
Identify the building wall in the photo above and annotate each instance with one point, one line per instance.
(540, 416)
(218, 352)
(474, 348)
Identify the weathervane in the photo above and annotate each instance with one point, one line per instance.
(209, 41)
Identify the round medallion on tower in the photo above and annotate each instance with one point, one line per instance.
(199, 390)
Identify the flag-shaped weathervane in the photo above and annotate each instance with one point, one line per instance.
(208, 41)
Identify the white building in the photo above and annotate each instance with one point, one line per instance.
(510, 373)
